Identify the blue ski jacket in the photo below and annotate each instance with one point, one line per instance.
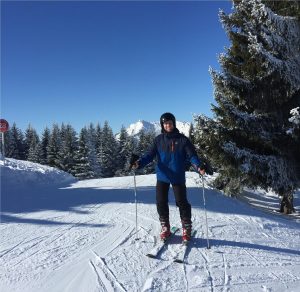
(173, 151)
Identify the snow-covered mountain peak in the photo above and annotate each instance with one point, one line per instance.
(141, 125)
(135, 128)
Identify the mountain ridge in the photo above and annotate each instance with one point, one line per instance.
(135, 129)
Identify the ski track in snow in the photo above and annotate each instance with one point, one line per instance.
(93, 245)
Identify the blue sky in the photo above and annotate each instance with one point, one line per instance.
(80, 62)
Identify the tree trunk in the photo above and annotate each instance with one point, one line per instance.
(287, 204)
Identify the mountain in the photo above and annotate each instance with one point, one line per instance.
(135, 128)
(60, 234)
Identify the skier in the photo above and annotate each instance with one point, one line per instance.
(172, 149)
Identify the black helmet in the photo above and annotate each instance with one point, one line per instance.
(167, 117)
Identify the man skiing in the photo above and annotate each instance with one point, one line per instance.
(172, 150)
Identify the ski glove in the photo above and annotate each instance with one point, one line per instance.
(134, 161)
(205, 168)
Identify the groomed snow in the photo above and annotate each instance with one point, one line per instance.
(59, 234)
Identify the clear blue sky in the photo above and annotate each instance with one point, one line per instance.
(81, 62)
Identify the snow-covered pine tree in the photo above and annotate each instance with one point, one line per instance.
(295, 123)
(192, 134)
(14, 143)
(149, 139)
(53, 148)
(92, 144)
(98, 146)
(44, 145)
(31, 140)
(122, 152)
(144, 143)
(68, 148)
(130, 148)
(284, 7)
(82, 168)
(34, 151)
(107, 152)
(141, 142)
(255, 91)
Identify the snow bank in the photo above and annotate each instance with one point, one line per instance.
(19, 173)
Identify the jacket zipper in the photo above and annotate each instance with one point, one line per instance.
(172, 146)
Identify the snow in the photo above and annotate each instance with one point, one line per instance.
(295, 112)
(280, 33)
(60, 234)
(135, 128)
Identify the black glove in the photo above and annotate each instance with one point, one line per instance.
(134, 158)
(207, 167)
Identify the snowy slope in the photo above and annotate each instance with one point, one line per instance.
(63, 235)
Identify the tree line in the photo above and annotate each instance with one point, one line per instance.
(94, 152)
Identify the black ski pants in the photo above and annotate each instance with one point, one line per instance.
(162, 200)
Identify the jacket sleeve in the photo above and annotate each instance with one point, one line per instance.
(192, 154)
(149, 156)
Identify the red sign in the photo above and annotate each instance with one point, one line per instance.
(3, 126)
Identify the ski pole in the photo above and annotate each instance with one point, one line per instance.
(135, 198)
(204, 203)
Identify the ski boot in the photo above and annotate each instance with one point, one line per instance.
(186, 230)
(165, 230)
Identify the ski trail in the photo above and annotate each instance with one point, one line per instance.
(185, 277)
(150, 282)
(104, 284)
(255, 223)
(113, 240)
(4, 252)
(108, 274)
(226, 277)
(206, 260)
(262, 264)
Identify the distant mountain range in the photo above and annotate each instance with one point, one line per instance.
(136, 128)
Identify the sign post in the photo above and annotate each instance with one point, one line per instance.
(3, 128)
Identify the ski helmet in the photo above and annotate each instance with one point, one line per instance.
(167, 117)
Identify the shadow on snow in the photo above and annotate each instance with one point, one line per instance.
(64, 198)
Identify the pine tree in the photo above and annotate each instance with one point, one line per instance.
(44, 146)
(192, 134)
(34, 151)
(284, 7)
(255, 91)
(149, 139)
(66, 154)
(31, 140)
(82, 168)
(141, 145)
(98, 147)
(107, 152)
(92, 136)
(144, 143)
(53, 148)
(122, 152)
(14, 143)
(130, 148)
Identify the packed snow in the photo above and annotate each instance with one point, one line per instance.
(60, 234)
